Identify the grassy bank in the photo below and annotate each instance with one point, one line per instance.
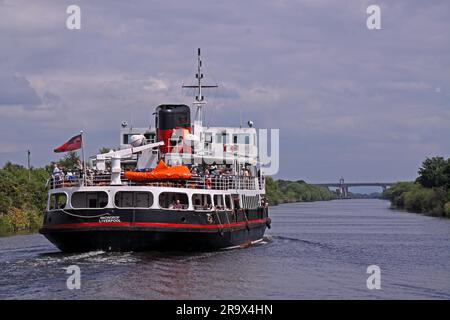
(429, 194)
(283, 191)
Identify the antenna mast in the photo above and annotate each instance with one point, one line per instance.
(199, 98)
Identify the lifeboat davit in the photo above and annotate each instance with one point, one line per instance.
(161, 172)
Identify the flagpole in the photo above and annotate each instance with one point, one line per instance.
(82, 155)
(29, 165)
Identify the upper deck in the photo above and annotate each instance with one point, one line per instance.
(222, 182)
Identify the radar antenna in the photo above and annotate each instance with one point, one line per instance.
(199, 98)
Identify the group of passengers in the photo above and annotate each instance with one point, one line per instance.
(198, 205)
(60, 174)
(216, 171)
(205, 204)
(220, 176)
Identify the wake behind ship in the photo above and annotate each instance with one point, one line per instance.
(179, 186)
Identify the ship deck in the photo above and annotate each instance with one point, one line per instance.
(196, 182)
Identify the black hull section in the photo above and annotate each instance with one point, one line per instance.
(154, 230)
(142, 240)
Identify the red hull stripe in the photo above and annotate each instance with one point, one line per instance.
(152, 224)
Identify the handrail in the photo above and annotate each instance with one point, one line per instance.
(223, 182)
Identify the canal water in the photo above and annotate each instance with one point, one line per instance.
(317, 250)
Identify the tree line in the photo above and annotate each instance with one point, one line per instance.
(284, 191)
(22, 197)
(23, 194)
(428, 194)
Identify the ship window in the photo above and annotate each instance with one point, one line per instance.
(150, 137)
(241, 138)
(228, 201)
(250, 202)
(89, 199)
(202, 201)
(222, 138)
(236, 201)
(127, 199)
(218, 201)
(57, 201)
(173, 200)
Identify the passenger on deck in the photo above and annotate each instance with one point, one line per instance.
(264, 202)
(79, 166)
(195, 170)
(56, 173)
(177, 205)
(62, 175)
(207, 206)
(70, 176)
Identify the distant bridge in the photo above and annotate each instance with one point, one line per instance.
(343, 186)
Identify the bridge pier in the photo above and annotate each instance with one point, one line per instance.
(342, 187)
(343, 192)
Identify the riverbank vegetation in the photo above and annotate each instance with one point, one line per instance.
(429, 194)
(23, 194)
(284, 191)
(22, 197)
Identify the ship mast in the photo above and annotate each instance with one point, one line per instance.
(199, 98)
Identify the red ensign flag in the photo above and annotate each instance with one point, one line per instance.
(71, 145)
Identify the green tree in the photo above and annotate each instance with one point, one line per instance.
(396, 193)
(5, 203)
(103, 150)
(281, 191)
(447, 209)
(435, 172)
(22, 200)
(70, 161)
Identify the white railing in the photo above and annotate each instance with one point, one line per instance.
(225, 182)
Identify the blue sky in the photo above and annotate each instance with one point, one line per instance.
(365, 105)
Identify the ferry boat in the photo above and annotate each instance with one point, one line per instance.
(176, 186)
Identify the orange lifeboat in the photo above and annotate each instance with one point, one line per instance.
(161, 172)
